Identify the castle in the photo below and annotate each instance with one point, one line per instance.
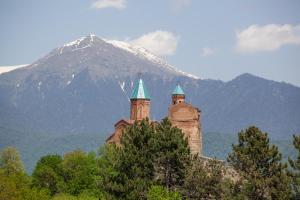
(181, 114)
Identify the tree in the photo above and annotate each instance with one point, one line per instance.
(10, 161)
(259, 165)
(295, 171)
(204, 179)
(80, 172)
(17, 187)
(109, 180)
(149, 154)
(8, 188)
(172, 155)
(48, 173)
(136, 159)
(161, 193)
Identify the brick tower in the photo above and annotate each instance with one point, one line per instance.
(187, 118)
(139, 102)
(139, 109)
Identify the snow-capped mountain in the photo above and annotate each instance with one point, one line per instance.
(84, 86)
(145, 54)
(104, 59)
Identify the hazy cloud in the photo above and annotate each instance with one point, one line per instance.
(206, 51)
(161, 43)
(100, 4)
(267, 38)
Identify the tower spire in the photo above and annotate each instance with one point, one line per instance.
(140, 101)
(178, 95)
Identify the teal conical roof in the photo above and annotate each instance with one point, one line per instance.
(140, 91)
(178, 90)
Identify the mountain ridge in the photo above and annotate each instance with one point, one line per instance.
(85, 87)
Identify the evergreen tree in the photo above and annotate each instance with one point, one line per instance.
(136, 159)
(259, 165)
(204, 179)
(109, 180)
(148, 154)
(295, 172)
(172, 155)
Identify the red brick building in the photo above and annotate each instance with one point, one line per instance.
(182, 115)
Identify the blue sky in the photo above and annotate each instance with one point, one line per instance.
(211, 39)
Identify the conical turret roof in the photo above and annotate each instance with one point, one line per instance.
(140, 91)
(178, 90)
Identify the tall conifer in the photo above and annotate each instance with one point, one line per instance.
(259, 165)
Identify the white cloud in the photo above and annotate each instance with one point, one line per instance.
(206, 51)
(118, 4)
(161, 43)
(4, 69)
(267, 38)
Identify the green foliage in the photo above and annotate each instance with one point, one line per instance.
(161, 193)
(172, 155)
(80, 172)
(16, 186)
(149, 154)
(295, 171)
(259, 165)
(10, 161)
(63, 196)
(153, 161)
(49, 174)
(204, 179)
(14, 183)
(134, 169)
(77, 172)
(109, 181)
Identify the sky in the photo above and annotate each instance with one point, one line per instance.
(208, 38)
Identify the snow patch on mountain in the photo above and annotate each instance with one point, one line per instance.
(144, 53)
(4, 69)
(70, 81)
(76, 44)
(122, 85)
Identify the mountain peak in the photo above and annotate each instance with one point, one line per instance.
(108, 58)
(87, 40)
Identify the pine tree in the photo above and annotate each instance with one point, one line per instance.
(259, 165)
(295, 172)
(149, 154)
(128, 168)
(172, 155)
(204, 179)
